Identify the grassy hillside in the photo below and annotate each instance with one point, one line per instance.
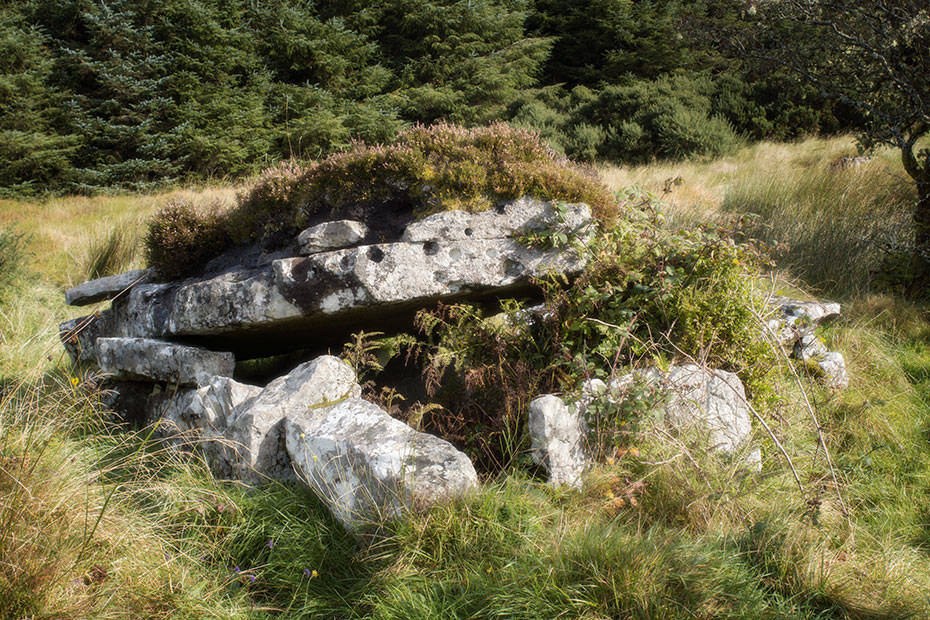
(99, 522)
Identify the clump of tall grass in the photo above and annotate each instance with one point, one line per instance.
(74, 541)
(110, 253)
(831, 225)
(12, 258)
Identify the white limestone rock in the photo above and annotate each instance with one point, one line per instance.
(254, 450)
(833, 366)
(366, 466)
(157, 360)
(331, 236)
(102, 289)
(195, 415)
(713, 401)
(401, 273)
(793, 320)
(197, 418)
(557, 434)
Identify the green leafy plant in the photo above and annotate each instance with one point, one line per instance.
(648, 297)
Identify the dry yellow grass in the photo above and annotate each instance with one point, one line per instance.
(706, 184)
(829, 225)
(61, 229)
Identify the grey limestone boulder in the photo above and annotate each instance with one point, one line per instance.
(711, 399)
(794, 323)
(199, 416)
(157, 360)
(331, 236)
(254, 450)
(102, 289)
(793, 320)
(79, 335)
(557, 434)
(367, 466)
(833, 366)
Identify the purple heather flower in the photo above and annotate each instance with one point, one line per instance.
(306, 572)
(271, 543)
(252, 578)
(236, 568)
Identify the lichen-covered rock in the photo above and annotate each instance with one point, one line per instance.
(102, 289)
(254, 450)
(367, 466)
(508, 219)
(258, 310)
(712, 401)
(79, 336)
(557, 434)
(809, 346)
(833, 366)
(793, 319)
(192, 417)
(794, 325)
(157, 360)
(331, 236)
(422, 273)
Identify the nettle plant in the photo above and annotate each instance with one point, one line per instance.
(648, 297)
(426, 170)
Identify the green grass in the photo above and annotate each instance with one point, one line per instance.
(102, 522)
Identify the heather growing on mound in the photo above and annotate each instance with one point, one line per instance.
(428, 169)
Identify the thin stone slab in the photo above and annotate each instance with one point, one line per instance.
(368, 467)
(102, 289)
(157, 360)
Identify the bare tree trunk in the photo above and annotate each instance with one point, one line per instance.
(920, 260)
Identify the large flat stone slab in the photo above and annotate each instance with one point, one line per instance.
(102, 289)
(157, 360)
(263, 310)
(506, 220)
(368, 467)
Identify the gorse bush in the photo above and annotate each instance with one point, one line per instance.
(647, 297)
(428, 169)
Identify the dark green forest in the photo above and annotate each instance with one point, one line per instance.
(132, 94)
